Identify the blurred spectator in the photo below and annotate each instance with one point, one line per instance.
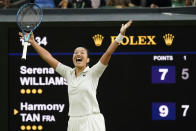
(5, 3)
(52, 3)
(118, 3)
(45, 3)
(81, 4)
(95, 3)
(190, 2)
(63, 4)
(86, 3)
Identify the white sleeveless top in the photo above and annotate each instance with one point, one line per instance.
(82, 89)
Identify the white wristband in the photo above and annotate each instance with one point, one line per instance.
(119, 38)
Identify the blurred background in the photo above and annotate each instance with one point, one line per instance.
(5, 4)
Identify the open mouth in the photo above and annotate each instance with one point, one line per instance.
(78, 60)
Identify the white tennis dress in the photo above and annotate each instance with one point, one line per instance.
(83, 109)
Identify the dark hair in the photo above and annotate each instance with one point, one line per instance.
(87, 51)
(88, 54)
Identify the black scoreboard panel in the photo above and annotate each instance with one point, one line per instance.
(149, 83)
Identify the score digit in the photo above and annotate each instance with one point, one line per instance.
(163, 111)
(185, 73)
(164, 74)
(186, 107)
(184, 57)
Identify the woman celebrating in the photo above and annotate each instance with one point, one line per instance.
(82, 83)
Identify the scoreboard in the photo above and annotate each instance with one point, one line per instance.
(149, 83)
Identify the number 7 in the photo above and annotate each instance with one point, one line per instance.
(164, 72)
(186, 107)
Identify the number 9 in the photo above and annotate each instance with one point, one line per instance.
(163, 111)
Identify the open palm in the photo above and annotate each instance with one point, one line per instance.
(124, 27)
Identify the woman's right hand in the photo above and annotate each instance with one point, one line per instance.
(31, 38)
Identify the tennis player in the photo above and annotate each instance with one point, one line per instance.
(82, 83)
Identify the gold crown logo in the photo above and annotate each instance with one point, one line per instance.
(168, 39)
(98, 39)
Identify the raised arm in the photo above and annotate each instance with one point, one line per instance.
(44, 54)
(113, 46)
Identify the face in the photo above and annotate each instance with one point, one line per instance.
(80, 57)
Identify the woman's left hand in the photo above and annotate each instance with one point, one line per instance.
(125, 27)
